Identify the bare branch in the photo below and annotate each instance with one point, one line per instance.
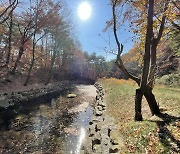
(154, 44)
(114, 26)
(40, 38)
(120, 64)
(119, 61)
(175, 25)
(161, 29)
(12, 7)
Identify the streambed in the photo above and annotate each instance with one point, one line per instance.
(58, 126)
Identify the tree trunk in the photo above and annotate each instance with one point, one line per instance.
(30, 68)
(64, 63)
(138, 102)
(152, 102)
(21, 50)
(51, 68)
(32, 60)
(153, 64)
(10, 38)
(148, 41)
(50, 74)
(29, 74)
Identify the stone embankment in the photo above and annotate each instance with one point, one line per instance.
(100, 135)
(33, 95)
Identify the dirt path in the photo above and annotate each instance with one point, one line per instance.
(88, 91)
(86, 94)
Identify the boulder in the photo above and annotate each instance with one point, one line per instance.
(101, 103)
(91, 130)
(100, 108)
(105, 139)
(98, 126)
(25, 93)
(97, 112)
(97, 149)
(114, 141)
(71, 95)
(4, 101)
(114, 149)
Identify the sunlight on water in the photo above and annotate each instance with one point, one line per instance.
(80, 141)
(50, 128)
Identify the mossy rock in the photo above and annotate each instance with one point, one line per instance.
(71, 95)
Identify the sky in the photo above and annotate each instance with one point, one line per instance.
(90, 32)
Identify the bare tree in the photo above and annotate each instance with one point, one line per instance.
(37, 10)
(10, 26)
(26, 35)
(33, 56)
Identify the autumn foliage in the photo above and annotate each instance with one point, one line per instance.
(37, 44)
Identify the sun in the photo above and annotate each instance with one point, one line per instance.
(84, 11)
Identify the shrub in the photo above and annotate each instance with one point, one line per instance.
(171, 80)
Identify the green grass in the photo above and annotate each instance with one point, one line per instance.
(154, 134)
(168, 99)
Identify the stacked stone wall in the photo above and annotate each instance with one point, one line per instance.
(33, 95)
(99, 137)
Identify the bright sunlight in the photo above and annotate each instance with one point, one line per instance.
(84, 11)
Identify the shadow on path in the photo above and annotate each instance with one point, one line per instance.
(165, 135)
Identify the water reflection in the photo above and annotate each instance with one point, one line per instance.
(80, 141)
(76, 132)
(47, 129)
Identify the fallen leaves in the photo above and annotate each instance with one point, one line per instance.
(143, 137)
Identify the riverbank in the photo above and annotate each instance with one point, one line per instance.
(14, 92)
(33, 94)
(152, 135)
(100, 134)
(15, 83)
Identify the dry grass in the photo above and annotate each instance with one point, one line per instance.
(154, 134)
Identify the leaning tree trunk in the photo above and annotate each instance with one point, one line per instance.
(138, 102)
(153, 105)
(21, 50)
(152, 102)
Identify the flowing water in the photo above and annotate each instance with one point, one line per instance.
(52, 127)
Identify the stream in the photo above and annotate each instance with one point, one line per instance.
(57, 127)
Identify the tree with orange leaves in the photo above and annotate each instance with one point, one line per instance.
(151, 20)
